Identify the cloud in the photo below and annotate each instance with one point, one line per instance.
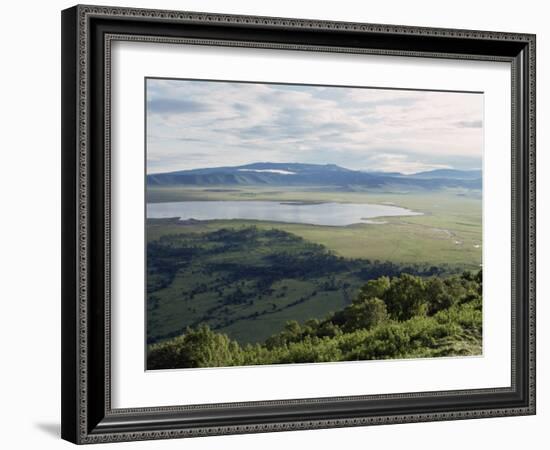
(402, 163)
(229, 123)
(184, 139)
(177, 106)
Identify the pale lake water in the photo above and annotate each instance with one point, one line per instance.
(331, 214)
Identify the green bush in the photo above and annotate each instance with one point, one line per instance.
(406, 297)
(196, 348)
(362, 313)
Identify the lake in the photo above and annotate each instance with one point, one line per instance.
(331, 214)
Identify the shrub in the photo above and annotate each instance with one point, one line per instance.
(406, 297)
(199, 347)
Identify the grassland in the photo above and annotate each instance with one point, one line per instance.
(448, 232)
(233, 283)
(248, 282)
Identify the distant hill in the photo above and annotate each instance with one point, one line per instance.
(449, 173)
(297, 174)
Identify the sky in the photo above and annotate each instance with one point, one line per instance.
(194, 124)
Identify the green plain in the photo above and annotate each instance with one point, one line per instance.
(448, 232)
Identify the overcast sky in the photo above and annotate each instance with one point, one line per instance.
(194, 124)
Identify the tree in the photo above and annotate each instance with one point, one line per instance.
(438, 296)
(290, 333)
(374, 288)
(365, 314)
(406, 297)
(328, 329)
(199, 347)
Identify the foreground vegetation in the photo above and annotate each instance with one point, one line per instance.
(405, 316)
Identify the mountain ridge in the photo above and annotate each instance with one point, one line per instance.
(302, 174)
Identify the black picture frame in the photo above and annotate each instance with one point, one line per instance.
(87, 416)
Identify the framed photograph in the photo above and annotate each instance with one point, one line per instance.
(277, 224)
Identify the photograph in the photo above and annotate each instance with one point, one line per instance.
(295, 223)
